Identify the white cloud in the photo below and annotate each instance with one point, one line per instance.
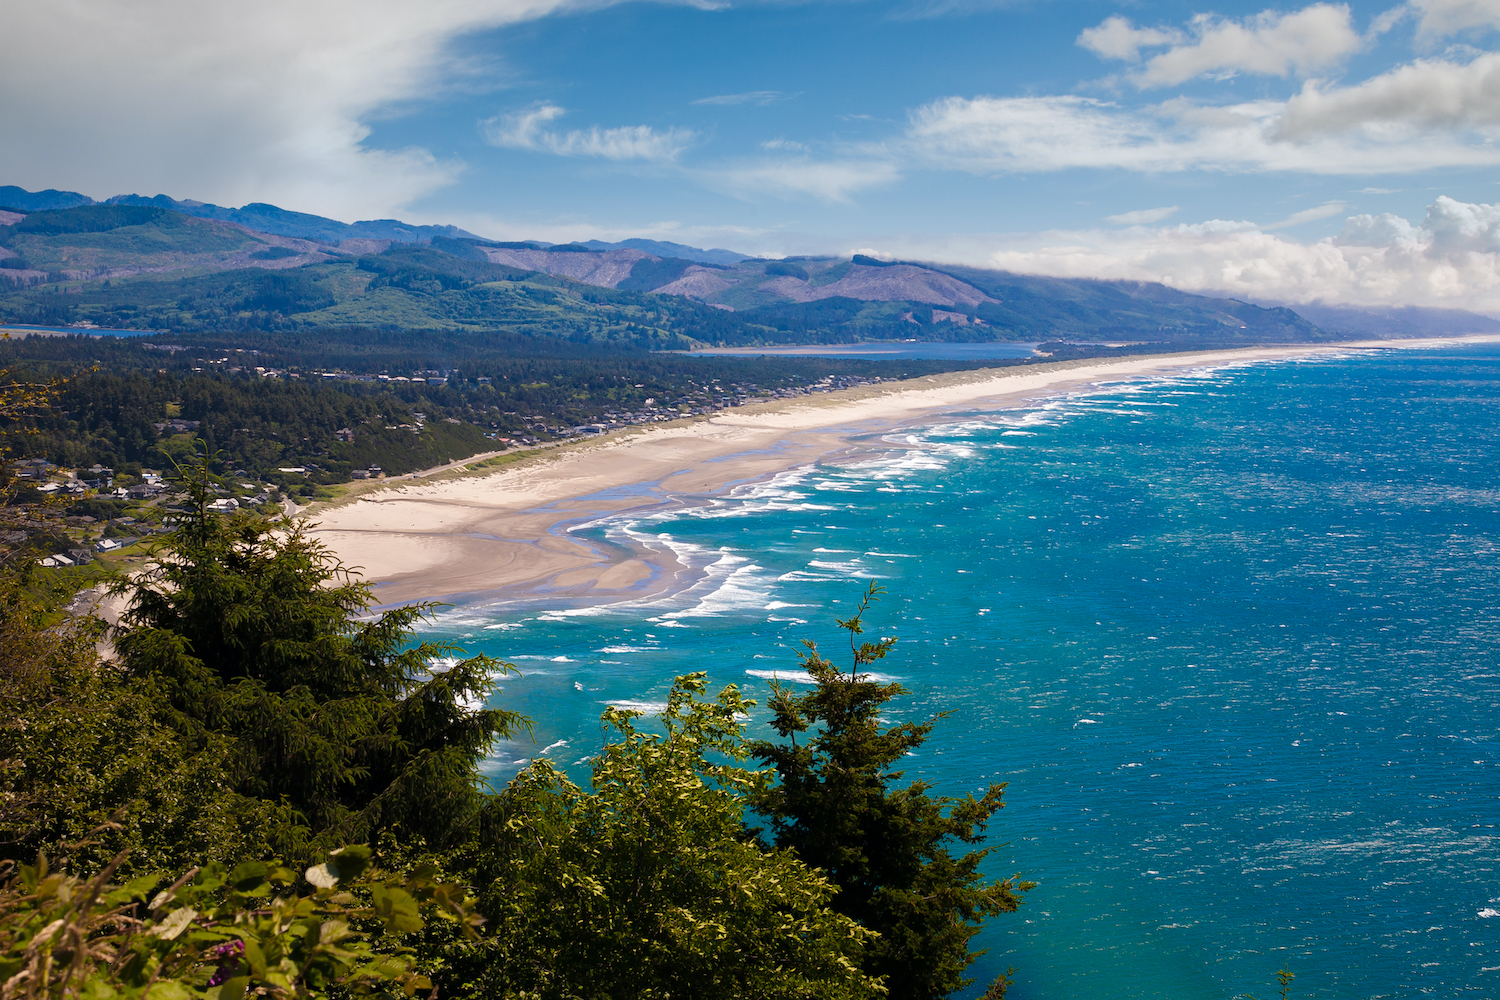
(759, 98)
(1459, 228)
(1451, 259)
(1424, 96)
(528, 130)
(1324, 211)
(826, 180)
(1117, 38)
(1141, 217)
(993, 135)
(230, 103)
(1270, 43)
(1381, 230)
(1439, 18)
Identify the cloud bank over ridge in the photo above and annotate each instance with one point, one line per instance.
(1450, 259)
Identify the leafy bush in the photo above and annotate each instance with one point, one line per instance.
(218, 932)
(649, 886)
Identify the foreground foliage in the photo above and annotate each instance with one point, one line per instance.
(250, 630)
(218, 932)
(649, 885)
(840, 806)
(253, 709)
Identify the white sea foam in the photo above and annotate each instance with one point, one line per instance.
(624, 649)
(553, 746)
(799, 676)
(645, 707)
(563, 614)
(794, 675)
(797, 575)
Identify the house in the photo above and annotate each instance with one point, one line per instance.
(226, 505)
(344, 434)
(360, 474)
(52, 562)
(34, 469)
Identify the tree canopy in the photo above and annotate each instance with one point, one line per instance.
(254, 631)
(840, 805)
(649, 885)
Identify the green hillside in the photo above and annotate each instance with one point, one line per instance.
(1031, 307)
(117, 237)
(440, 287)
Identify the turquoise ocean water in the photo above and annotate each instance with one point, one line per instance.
(1231, 637)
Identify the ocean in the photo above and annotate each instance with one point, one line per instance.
(1230, 635)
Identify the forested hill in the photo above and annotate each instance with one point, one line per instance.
(154, 268)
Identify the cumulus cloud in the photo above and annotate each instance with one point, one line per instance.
(231, 103)
(1270, 43)
(1142, 217)
(1452, 258)
(1117, 38)
(529, 130)
(1440, 18)
(1423, 96)
(992, 135)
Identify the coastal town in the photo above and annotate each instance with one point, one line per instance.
(100, 515)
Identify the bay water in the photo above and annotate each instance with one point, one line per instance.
(1230, 635)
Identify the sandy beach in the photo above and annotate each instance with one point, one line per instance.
(505, 534)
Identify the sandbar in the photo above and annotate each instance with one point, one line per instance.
(505, 535)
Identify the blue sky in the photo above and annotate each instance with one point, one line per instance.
(1317, 151)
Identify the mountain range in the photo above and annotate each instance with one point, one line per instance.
(170, 264)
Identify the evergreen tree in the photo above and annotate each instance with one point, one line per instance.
(840, 805)
(253, 631)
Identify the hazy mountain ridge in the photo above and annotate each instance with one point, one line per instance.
(1397, 321)
(795, 300)
(256, 215)
(569, 291)
(84, 243)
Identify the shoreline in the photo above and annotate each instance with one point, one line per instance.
(470, 536)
